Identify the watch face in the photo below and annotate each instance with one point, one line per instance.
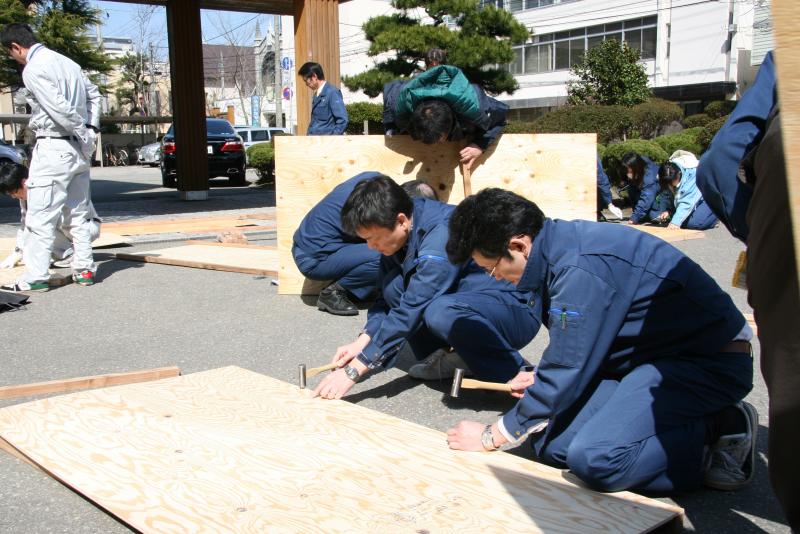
(351, 372)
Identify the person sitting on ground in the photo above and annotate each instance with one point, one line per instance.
(648, 201)
(425, 301)
(13, 182)
(323, 251)
(441, 105)
(679, 176)
(604, 198)
(641, 385)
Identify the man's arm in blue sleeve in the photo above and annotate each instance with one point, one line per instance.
(497, 112)
(339, 112)
(603, 185)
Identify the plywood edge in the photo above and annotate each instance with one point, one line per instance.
(229, 245)
(146, 258)
(87, 382)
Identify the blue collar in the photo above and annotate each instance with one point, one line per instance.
(533, 276)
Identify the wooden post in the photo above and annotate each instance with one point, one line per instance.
(316, 38)
(188, 103)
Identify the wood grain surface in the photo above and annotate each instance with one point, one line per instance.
(192, 225)
(230, 450)
(557, 171)
(215, 256)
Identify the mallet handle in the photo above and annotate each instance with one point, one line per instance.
(317, 370)
(469, 383)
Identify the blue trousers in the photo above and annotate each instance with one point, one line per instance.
(354, 267)
(647, 431)
(485, 328)
(701, 218)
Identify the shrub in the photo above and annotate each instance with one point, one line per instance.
(613, 155)
(720, 108)
(648, 117)
(709, 131)
(261, 157)
(698, 119)
(519, 127)
(358, 112)
(685, 140)
(601, 150)
(609, 122)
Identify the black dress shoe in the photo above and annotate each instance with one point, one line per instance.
(334, 300)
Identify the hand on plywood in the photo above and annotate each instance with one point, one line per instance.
(469, 154)
(466, 436)
(334, 386)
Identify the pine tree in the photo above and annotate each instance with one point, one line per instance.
(61, 26)
(611, 75)
(132, 85)
(477, 40)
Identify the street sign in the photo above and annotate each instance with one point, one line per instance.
(287, 93)
(286, 63)
(255, 110)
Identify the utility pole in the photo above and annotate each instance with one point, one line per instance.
(276, 19)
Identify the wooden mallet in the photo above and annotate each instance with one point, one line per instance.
(314, 371)
(468, 383)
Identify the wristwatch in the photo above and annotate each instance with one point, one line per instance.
(486, 439)
(352, 373)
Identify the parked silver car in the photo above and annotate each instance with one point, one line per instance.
(150, 154)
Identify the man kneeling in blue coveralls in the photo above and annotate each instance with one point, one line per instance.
(641, 385)
(424, 299)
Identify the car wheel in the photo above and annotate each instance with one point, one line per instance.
(238, 180)
(169, 180)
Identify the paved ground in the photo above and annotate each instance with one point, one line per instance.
(144, 315)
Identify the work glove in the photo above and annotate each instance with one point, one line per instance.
(12, 260)
(615, 210)
(88, 139)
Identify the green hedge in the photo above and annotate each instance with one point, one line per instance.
(613, 155)
(685, 140)
(698, 119)
(519, 127)
(609, 122)
(720, 108)
(709, 131)
(261, 157)
(656, 113)
(359, 112)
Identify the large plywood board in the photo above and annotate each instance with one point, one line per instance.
(785, 14)
(230, 450)
(557, 171)
(215, 256)
(193, 225)
(670, 235)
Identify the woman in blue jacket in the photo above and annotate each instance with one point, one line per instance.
(643, 190)
(690, 211)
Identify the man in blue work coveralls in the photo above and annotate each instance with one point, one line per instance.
(743, 178)
(641, 385)
(328, 113)
(323, 251)
(425, 300)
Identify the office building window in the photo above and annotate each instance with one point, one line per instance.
(515, 6)
(562, 50)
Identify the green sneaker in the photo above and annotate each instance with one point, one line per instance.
(83, 278)
(25, 287)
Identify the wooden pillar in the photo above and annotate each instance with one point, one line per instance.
(188, 97)
(316, 38)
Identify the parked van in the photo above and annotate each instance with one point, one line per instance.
(252, 135)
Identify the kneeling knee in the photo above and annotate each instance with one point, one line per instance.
(598, 467)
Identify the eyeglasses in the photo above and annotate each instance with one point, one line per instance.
(494, 267)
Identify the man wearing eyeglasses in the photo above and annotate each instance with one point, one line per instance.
(427, 301)
(328, 114)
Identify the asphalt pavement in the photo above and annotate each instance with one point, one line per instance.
(142, 316)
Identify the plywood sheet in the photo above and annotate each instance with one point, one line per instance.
(670, 235)
(10, 276)
(193, 225)
(215, 256)
(230, 450)
(106, 239)
(557, 171)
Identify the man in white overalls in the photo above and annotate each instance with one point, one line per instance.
(65, 116)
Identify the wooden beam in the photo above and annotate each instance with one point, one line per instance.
(228, 257)
(87, 382)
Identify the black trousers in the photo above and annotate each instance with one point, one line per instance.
(775, 298)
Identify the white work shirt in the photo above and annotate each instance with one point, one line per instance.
(63, 100)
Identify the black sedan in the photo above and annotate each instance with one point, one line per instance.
(226, 155)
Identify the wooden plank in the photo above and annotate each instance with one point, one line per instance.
(87, 382)
(106, 239)
(787, 60)
(230, 450)
(670, 235)
(229, 245)
(228, 257)
(191, 225)
(557, 171)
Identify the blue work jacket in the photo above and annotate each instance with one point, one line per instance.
(642, 197)
(613, 298)
(494, 111)
(412, 277)
(687, 196)
(603, 185)
(328, 114)
(320, 232)
(717, 175)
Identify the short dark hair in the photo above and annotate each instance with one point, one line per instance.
(486, 222)
(376, 201)
(431, 120)
(435, 56)
(419, 189)
(637, 163)
(667, 173)
(22, 34)
(11, 177)
(311, 68)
